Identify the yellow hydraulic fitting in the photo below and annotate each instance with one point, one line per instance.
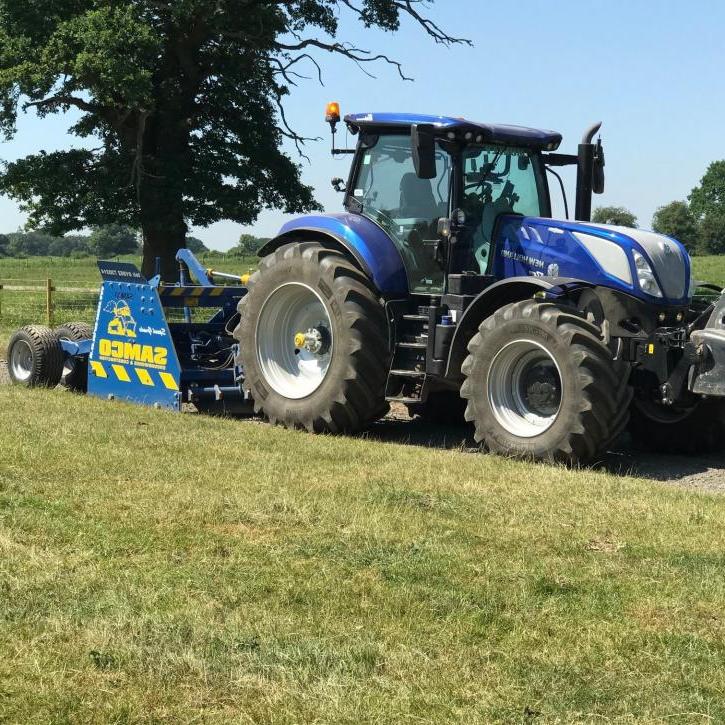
(245, 278)
(300, 338)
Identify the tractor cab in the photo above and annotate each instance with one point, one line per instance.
(438, 187)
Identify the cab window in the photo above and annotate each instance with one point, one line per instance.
(499, 180)
(405, 206)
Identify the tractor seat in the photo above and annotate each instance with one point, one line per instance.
(416, 198)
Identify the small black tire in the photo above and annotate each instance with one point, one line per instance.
(594, 393)
(35, 358)
(75, 370)
(660, 429)
(442, 407)
(351, 393)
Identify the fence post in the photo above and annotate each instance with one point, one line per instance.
(1, 302)
(49, 301)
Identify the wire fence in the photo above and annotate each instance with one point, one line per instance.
(39, 301)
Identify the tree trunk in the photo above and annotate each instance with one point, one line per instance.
(162, 222)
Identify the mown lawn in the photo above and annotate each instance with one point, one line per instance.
(163, 568)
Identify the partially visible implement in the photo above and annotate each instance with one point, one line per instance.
(134, 352)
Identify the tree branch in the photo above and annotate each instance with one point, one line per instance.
(428, 25)
(358, 55)
(63, 101)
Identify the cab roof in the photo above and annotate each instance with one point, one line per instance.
(491, 132)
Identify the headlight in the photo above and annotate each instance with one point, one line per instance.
(693, 282)
(645, 276)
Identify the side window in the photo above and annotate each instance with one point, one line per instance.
(498, 180)
(405, 206)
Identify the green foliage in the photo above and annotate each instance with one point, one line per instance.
(196, 245)
(112, 240)
(712, 231)
(183, 101)
(709, 195)
(677, 220)
(248, 245)
(615, 215)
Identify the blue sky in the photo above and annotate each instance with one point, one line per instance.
(651, 70)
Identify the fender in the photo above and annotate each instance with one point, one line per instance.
(369, 246)
(500, 293)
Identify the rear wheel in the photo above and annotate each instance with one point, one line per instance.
(75, 370)
(541, 385)
(35, 358)
(699, 428)
(313, 341)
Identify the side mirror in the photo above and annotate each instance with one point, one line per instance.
(338, 184)
(422, 139)
(598, 170)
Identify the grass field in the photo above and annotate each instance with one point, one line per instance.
(174, 568)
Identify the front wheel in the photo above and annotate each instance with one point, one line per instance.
(313, 341)
(541, 385)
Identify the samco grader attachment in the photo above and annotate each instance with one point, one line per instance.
(444, 285)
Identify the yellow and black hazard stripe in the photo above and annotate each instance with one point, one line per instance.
(191, 291)
(132, 374)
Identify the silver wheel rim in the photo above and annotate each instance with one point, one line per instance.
(291, 369)
(21, 361)
(525, 388)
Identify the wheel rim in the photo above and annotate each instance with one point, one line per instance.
(21, 360)
(294, 340)
(525, 388)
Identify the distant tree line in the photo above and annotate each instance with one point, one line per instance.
(103, 242)
(698, 222)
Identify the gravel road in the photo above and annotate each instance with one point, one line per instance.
(697, 472)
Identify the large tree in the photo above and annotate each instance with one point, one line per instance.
(616, 215)
(184, 99)
(677, 220)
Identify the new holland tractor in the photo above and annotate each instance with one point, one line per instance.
(444, 285)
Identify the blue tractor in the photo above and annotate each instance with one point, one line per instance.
(444, 285)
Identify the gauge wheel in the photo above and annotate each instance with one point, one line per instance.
(313, 341)
(35, 358)
(75, 369)
(541, 385)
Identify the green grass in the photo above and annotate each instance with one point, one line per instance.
(710, 269)
(175, 568)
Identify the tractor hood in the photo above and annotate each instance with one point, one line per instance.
(642, 263)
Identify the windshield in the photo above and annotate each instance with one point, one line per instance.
(499, 180)
(405, 206)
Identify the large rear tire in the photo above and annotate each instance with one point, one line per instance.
(75, 370)
(667, 429)
(35, 357)
(541, 385)
(313, 341)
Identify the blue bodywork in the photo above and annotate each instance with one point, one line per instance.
(491, 132)
(369, 244)
(540, 247)
(523, 247)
